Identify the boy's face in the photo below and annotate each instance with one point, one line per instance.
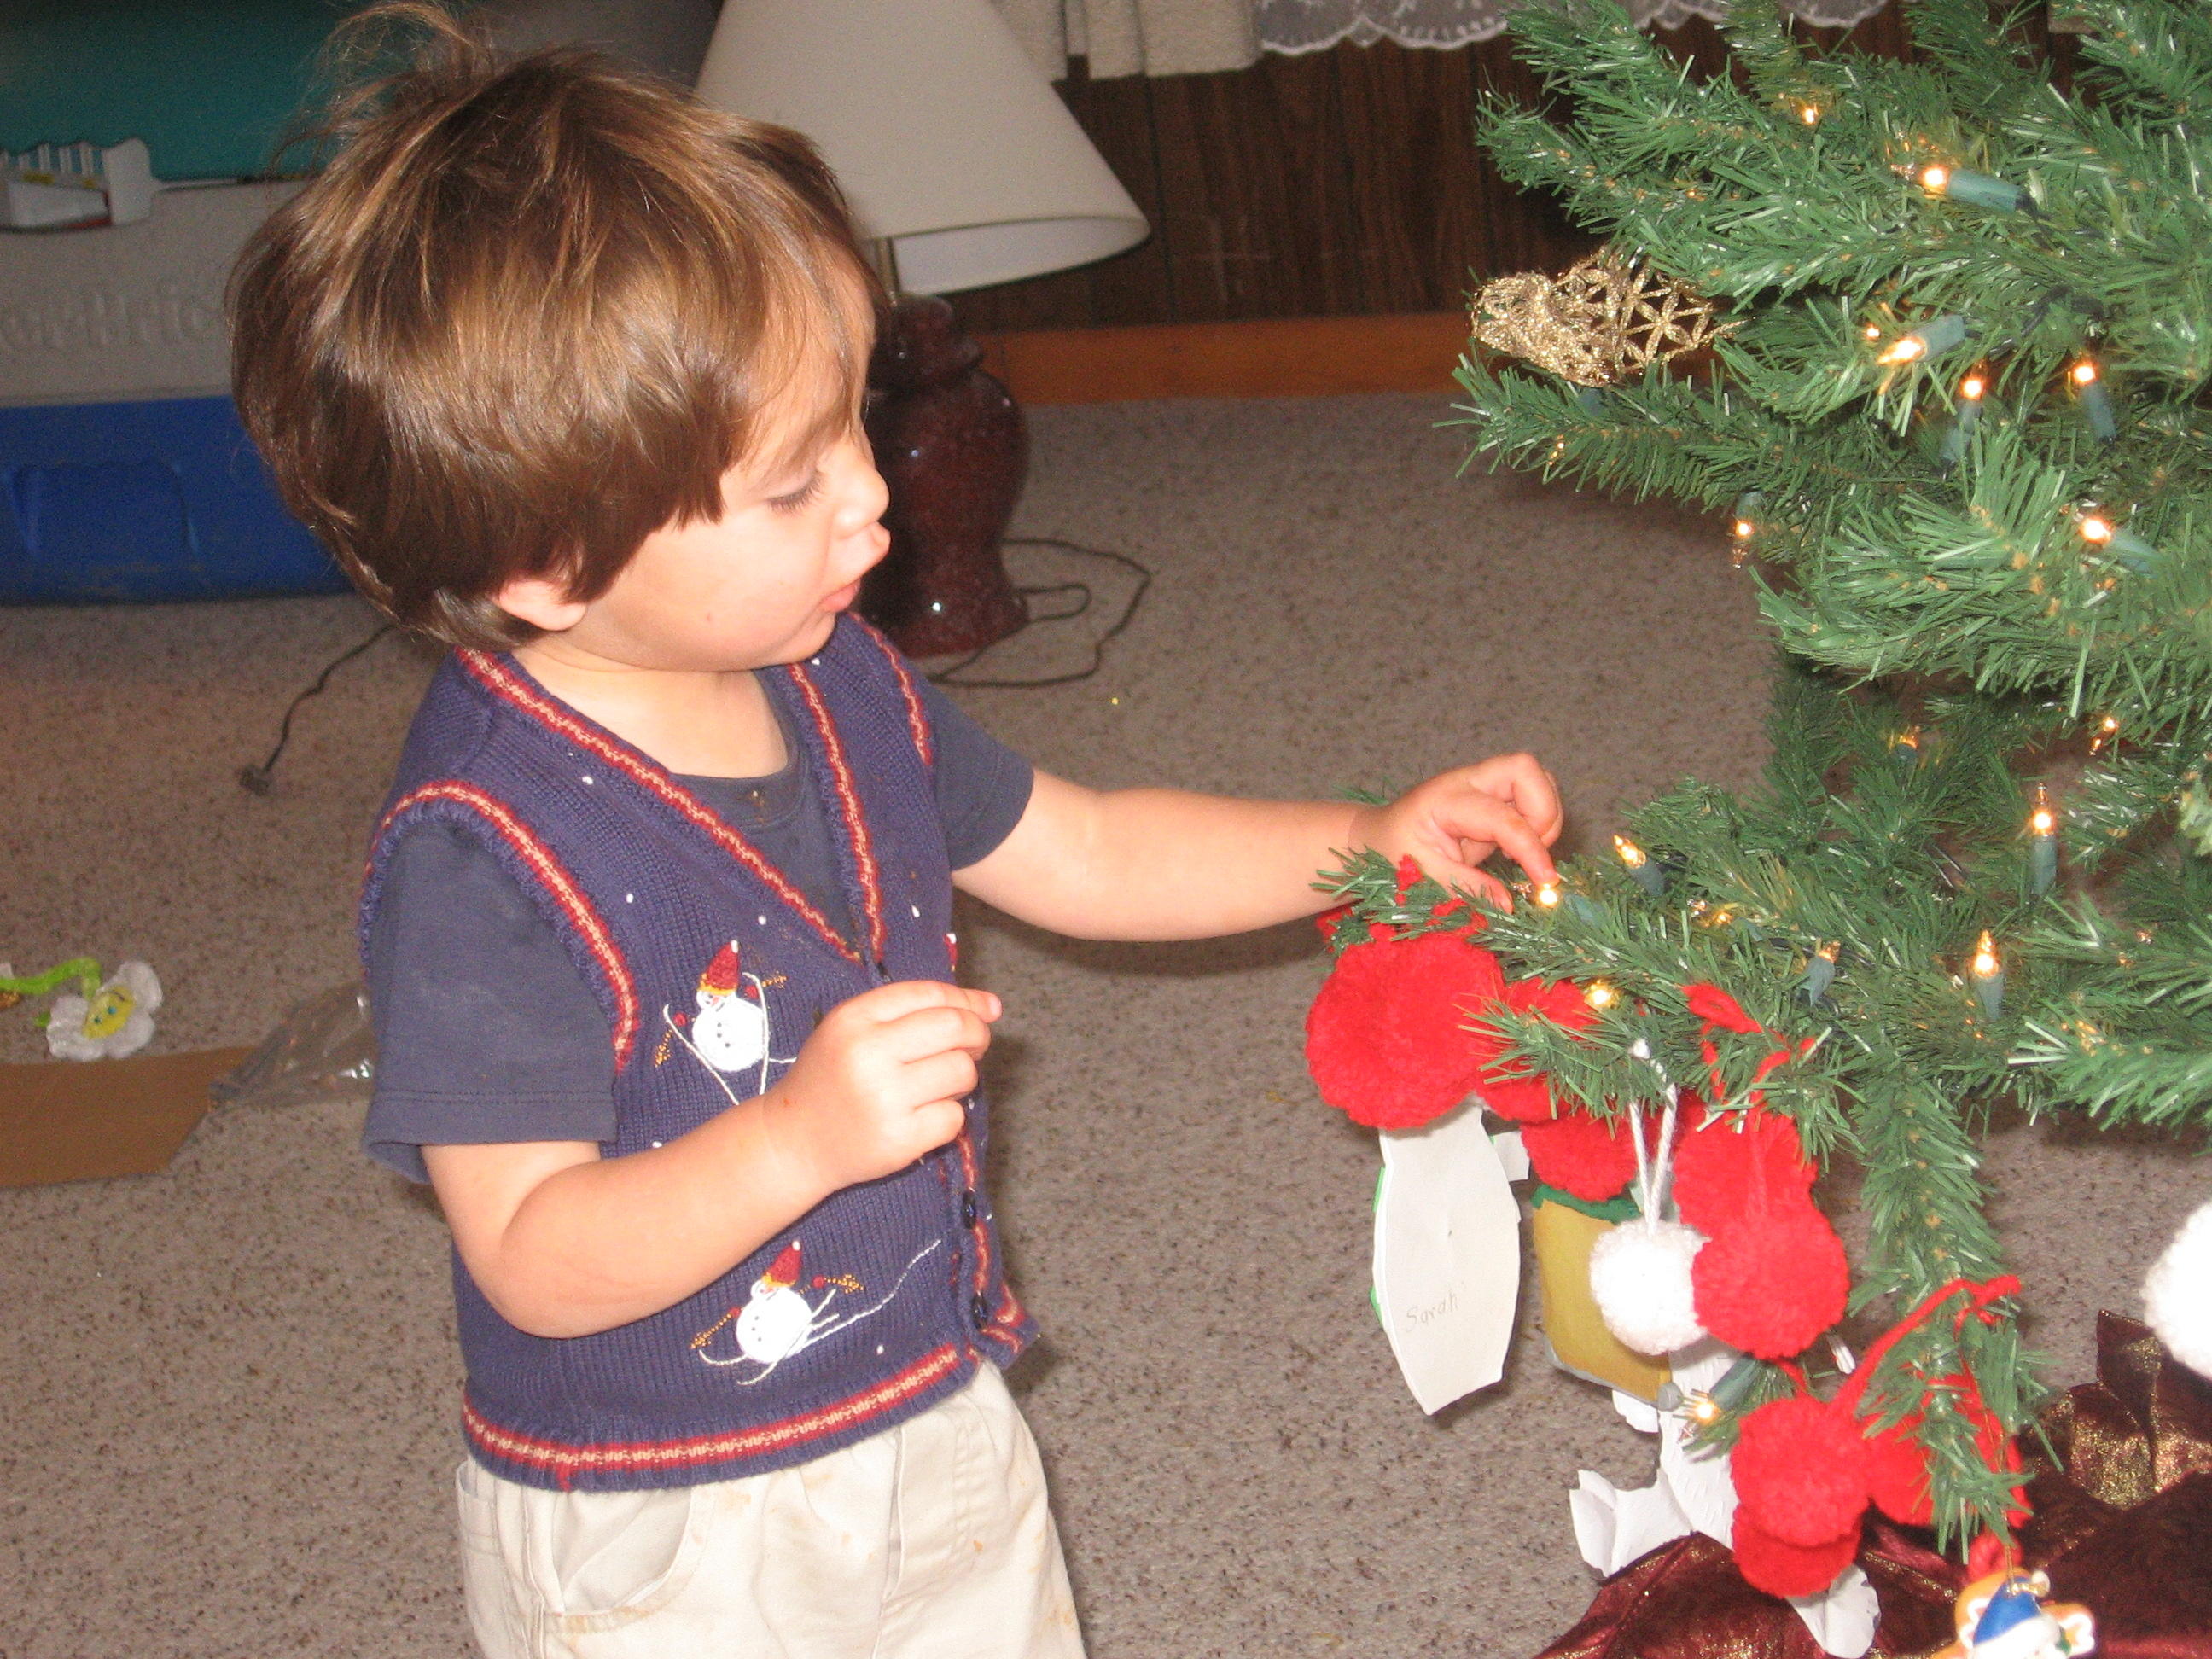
(761, 585)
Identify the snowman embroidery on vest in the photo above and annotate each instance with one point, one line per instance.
(730, 1030)
(778, 1320)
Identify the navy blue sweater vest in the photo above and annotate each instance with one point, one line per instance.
(713, 968)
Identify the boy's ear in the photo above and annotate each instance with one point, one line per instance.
(541, 601)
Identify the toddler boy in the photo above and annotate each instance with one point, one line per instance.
(567, 371)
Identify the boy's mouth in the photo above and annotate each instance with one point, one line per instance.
(843, 598)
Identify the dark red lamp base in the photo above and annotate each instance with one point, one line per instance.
(950, 444)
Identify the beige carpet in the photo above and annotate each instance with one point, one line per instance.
(232, 1386)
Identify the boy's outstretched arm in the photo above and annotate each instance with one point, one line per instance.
(1162, 864)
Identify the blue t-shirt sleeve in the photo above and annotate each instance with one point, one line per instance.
(982, 787)
(485, 1030)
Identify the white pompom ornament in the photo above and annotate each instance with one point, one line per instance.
(1640, 1279)
(2177, 1294)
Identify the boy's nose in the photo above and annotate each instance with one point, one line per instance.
(872, 494)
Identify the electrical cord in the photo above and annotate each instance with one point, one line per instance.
(260, 779)
(1082, 597)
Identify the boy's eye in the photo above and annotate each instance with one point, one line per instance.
(801, 497)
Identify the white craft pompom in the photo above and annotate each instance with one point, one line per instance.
(2178, 1293)
(1640, 1277)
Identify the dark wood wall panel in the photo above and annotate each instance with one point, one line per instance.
(1118, 115)
(1517, 231)
(1408, 237)
(1257, 214)
(1339, 183)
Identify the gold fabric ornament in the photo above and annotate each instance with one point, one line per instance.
(1608, 319)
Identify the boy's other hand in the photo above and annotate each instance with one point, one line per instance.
(1458, 818)
(879, 1081)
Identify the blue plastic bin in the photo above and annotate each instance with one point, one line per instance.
(130, 502)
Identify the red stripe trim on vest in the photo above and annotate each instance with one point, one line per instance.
(1004, 1326)
(1007, 1318)
(553, 876)
(505, 683)
(848, 806)
(917, 716)
(980, 1233)
(567, 1461)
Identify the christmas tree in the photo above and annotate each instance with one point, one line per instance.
(1934, 334)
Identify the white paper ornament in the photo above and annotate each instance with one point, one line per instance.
(1640, 1279)
(1447, 1255)
(2178, 1293)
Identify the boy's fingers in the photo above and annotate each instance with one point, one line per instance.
(946, 1075)
(901, 997)
(935, 1030)
(1489, 886)
(1534, 794)
(1485, 818)
(938, 1122)
(1528, 784)
(1518, 841)
(1461, 866)
(1543, 810)
(1505, 774)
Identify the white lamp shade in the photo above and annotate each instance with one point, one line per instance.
(950, 142)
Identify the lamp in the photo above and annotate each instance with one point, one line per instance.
(965, 168)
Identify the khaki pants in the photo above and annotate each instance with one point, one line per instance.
(931, 1541)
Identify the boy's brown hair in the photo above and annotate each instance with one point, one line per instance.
(527, 314)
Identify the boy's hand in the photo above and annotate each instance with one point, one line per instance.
(1455, 820)
(879, 1081)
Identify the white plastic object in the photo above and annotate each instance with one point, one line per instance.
(2178, 1293)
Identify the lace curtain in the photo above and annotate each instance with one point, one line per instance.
(1135, 37)
(1313, 24)
(1194, 37)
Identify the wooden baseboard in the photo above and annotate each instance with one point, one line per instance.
(1271, 357)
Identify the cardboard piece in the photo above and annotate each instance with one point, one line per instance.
(1563, 1238)
(68, 1120)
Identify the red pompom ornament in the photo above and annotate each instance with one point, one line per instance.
(1770, 1284)
(1580, 1154)
(1739, 1160)
(1800, 1467)
(1386, 1039)
(1897, 1475)
(1789, 1569)
(1509, 1088)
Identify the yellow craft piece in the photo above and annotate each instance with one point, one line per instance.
(106, 1014)
(1564, 1238)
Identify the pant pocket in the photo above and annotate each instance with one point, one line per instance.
(611, 1557)
(477, 1514)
